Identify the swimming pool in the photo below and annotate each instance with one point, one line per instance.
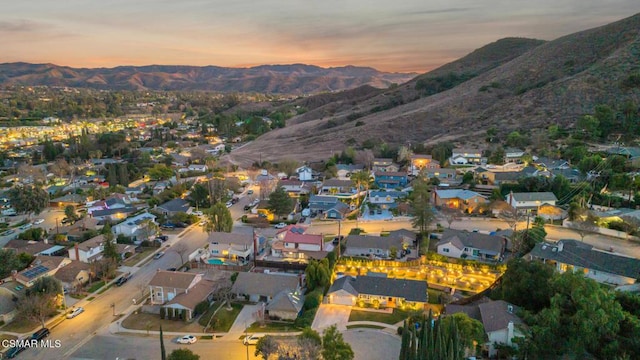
(215, 261)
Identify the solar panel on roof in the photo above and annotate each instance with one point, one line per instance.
(32, 273)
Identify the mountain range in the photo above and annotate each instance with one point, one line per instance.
(511, 84)
(287, 79)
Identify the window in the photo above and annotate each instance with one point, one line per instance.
(476, 253)
(445, 250)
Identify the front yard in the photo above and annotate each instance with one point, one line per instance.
(223, 318)
(395, 317)
(272, 327)
(138, 257)
(152, 322)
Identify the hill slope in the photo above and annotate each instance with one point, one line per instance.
(290, 79)
(552, 83)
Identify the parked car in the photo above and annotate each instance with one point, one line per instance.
(67, 221)
(250, 192)
(8, 232)
(168, 226)
(40, 334)
(158, 255)
(121, 280)
(172, 269)
(180, 224)
(187, 339)
(38, 221)
(234, 200)
(280, 225)
(14, 351)
(26, 226)
(337, 239)
(247, 207)
(251, 339)
(163, 238)
(229, 204)
(198, 213)
(77, 311)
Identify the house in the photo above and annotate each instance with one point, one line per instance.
(378, 291)
(573, 175)
(113, 215)
(295, 188)
(552, 164)
(601, 266)
(319, 204)
(385, 199)
(88, 251)
(40, 267)
(261, 287)
(499, 319)
(337, 186)
(135, 226)
(184, 304)
(69, 199)
(165, 285)
(383, 164)
(73, 275)
(198, 168)
(304, 173)
(530, 201)
(235, 246)
(175, 206)
(466, 156)
(445, 176)
(34, 248)
(345, 171)
(378, 246)
(422, 162)
(339, 211)
(286, 305)
(513, 156)
(390, 179)
(465, 200)
(292, 242)
(471, 245)
(498, 177)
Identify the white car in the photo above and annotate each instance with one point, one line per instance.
(280, 226)
(251, 339)
(26, 226)
(187, 339)
(229, 204)
(158, 255)
(198, 213)
(77, 311)
(38, 221)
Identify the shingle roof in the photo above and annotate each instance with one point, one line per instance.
(172, 279)
(29, 247)
(231, 238)
(195, 295)
(579, 254)
(535, 196)
(374, 242)
(337, 183)
(343, 283)
(462, 239)
(69, 272)
(457, 194)
(176, 205)
(410, 290)
(286, 300)
(263, 284)
(496, 315)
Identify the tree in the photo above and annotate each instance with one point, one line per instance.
(421, 205)
(183, 354)
(584, 226)
(497, 156)
(361, 181)
(148, 228)
(181, 249)
(218, 219)
(10, 261)
(45, 285)
(28, 199)
(70, 212)
(110, 250)
(430, 338)
(160, 172)
(511, 216)
(222, 292)
(310, 344)
(527, 284)
(471, 330)
(317, 274)
(451, 215)
(280, 202)
(37, 307)
(200, 196)
(588, 128)
(333, 345)
(266, 347)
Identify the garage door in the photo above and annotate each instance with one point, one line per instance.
(342, 299)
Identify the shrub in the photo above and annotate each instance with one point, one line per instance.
(313, 299)
(306, 319)
(201, 308)
(399, 330)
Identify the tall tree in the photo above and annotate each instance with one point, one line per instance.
(163, 352)
(28, 199)
(199, 196)
(266, 347)
(360, 180)
(280, 202)
(333, 345)
(421, 205)
(218, 219)
(70, 212)
(110, 250)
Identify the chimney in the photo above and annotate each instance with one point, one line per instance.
(560, 246)
(75, 247)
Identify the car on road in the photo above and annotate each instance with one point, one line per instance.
(123, 279)
(8, 232)
(247, 207)
(77, 311)
(229, 204)
(187, 339)
(250, 192)
(158, 255)
(14, 351)
(67, 221)
(172, 269)
(168, 226)
(38, 221)
(26, 226)
(280, 225)
(40, 334)
(163, 238)
(251, 339)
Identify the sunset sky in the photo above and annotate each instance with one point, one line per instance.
(401, 35)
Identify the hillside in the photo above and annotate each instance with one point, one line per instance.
(285, 79)
(547, 83)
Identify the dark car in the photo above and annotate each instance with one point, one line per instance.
(172, 269)
(40, 334)
(247, 207)
(123, 279)
(337, 239)
(181, 225)
(14, 351)
(163, 237)
(67, 221)
(168, 226)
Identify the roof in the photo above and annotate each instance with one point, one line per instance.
(343, 283)
(462, 239)
(390, 173)
(176, 205)
(403, 233)
(297, 235)
(551, 163)
(69, 272)
(337, 183)
(457, 194)
(340, 207)
(41, 265)
(382, 193)
(410, 290)
(320, 198)
(420, 156)
(374, 242)
(172, 279)
(472, 311)
(349, 167)
(583, 255)
(70, 198)
(462, 151)
(231, 238)
(535, 196)
(195, 295)
(91, 243)
(286, 300)
(29, 247)
(263, 284)
(106, 212)
(508, 175)
(496, 315)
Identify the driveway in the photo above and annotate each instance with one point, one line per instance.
(331, 314)
(372, 344)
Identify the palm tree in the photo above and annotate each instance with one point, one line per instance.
(361, 181)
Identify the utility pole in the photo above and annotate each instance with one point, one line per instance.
(246, 340)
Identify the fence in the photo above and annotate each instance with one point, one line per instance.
(281, 265)
(228, 267)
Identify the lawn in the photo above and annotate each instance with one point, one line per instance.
(434, 296)
(224, 318)
(20, 325)
(204, 319)
(152, 322)
(138, 257)
(95, 286)
(393, 318)
(272, 327)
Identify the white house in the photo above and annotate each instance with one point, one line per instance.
(304, 173)
(466, 156)
(88, 251)
(234, 246)
(513, 155)
(165, 285)
(133, 225)
(471, 245)
(198, 168)
(530, 201)
(292, 242)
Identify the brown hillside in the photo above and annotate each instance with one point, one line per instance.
(553, 83)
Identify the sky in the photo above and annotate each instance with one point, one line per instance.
(397, 36)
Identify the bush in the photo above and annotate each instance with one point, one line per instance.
(306, 319)
(234, 276)
(313, 299)
(36, 234)
(399, 330)
(201, 308)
